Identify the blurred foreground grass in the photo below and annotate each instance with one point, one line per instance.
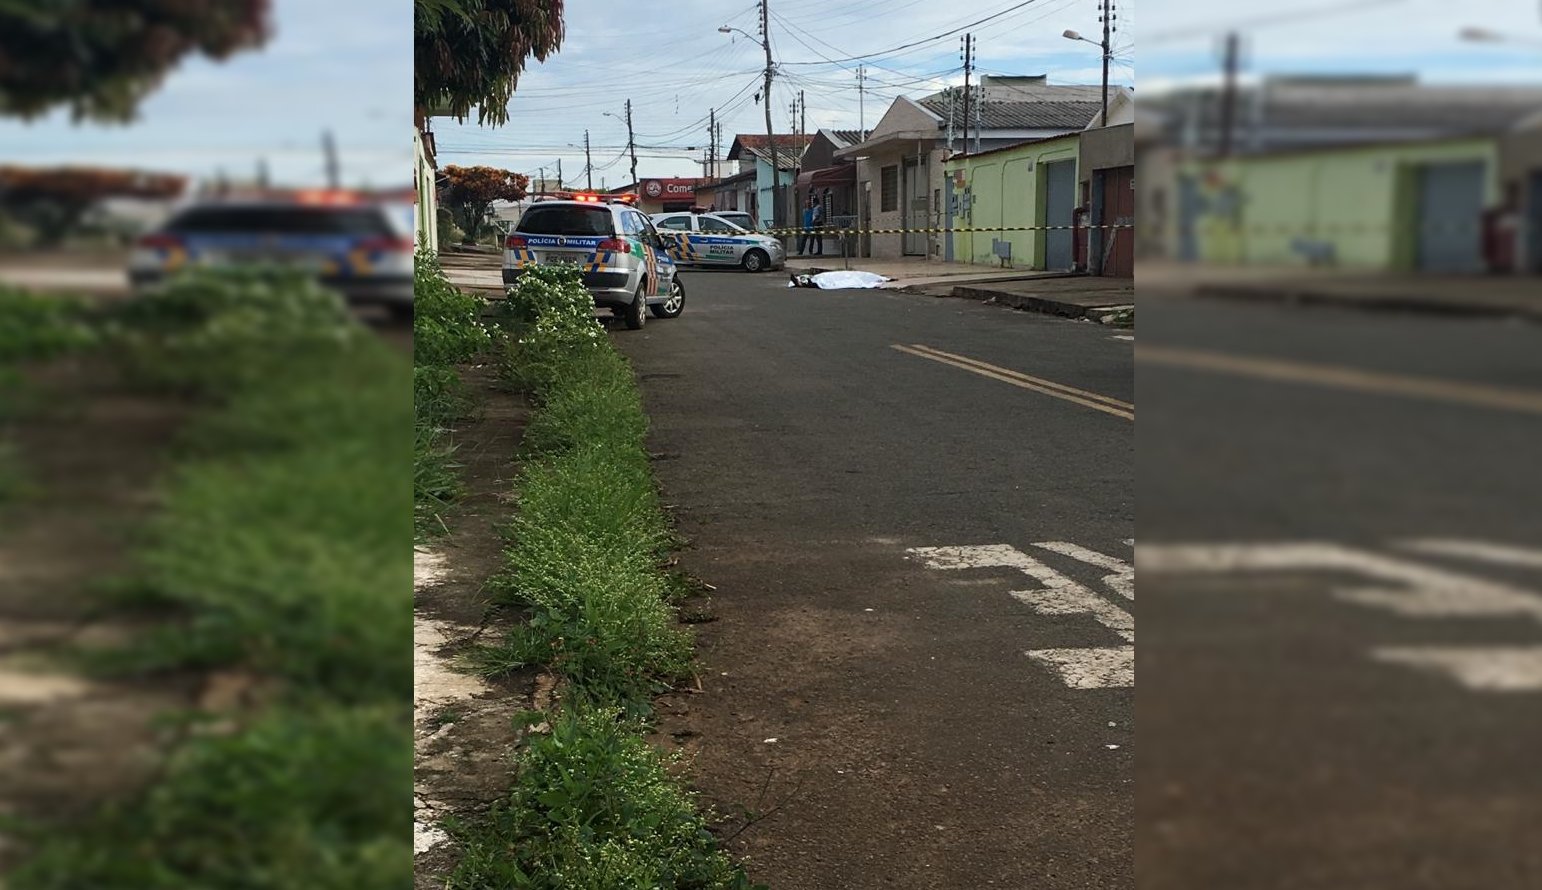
(280, 553)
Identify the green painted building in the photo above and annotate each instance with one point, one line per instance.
(1406, 206)
(1032, 184)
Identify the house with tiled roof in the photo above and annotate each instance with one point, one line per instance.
(899, 167)
(752, 151)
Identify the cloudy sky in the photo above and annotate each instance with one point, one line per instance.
(675, 67)
(344, 65)
(1383, 36)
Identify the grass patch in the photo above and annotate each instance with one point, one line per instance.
(32, 328)
(279, 552)
(593, 805)
(447, 330)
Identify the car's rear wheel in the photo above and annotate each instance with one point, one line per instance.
(757, 260)
(637, 313)
(676, 303)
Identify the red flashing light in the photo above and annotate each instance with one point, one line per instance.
(325, 197)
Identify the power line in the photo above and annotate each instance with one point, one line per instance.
(925, 41)
(1269, 20)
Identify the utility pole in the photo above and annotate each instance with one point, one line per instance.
(262, 174)
(543, 179)
(979, 116)
(968, 69)
(329, 149)
(861, 104)
(1108, 30)
(559, 174)
(588, 165)
(1229, 93)
(631, 141)
(712, 142)
(952, 116)
(802, 114)
(776, 161)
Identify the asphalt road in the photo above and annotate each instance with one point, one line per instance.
(1341, 652)
(890, 721)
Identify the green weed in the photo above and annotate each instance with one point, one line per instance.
(278, 551)
(301, 799)
(593, 807)
(447, 331)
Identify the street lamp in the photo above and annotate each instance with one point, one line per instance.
(1071, 34)
(765, 43)
(1488, 35)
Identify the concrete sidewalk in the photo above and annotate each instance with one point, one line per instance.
(1491, 296)
(1099, 298)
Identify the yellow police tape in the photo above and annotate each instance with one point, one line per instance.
(833, 231)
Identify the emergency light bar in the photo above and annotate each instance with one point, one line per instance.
(592, 198)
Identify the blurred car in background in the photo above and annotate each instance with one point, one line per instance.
(737, 217)
(362, 249)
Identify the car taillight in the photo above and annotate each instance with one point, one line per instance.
(615, 244)
(388, 245)
(159, 241)
(514, 242)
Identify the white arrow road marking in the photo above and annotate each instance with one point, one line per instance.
(1482, 551)
(1059, 595)
(1110, 668)
(1121, 582)
(1485, 669)
(1424, 591)
(1414, 591)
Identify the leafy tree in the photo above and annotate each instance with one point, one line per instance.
(53, 200)
(469, 192)
(471, 52)
(100, 58)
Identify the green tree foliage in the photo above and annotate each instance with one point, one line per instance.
(100, 58)
(469, 192)
(469, 53)
(53, 200)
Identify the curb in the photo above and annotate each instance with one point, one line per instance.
(1411, 304)
(1103, 314)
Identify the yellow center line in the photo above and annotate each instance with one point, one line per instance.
(1338, 377)
(1083, 397)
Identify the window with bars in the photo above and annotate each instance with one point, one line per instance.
(888, 189)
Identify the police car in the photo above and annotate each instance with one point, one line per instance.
(706, 239)
(356, 246)
(622, 257)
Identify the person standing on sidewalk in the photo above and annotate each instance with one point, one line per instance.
(808, 224)
(816, 221)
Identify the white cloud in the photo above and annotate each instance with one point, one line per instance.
(1407, 36)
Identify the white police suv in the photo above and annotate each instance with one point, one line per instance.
(625, 263)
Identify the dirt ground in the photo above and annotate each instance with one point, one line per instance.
(71, 741)
(463, 724)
